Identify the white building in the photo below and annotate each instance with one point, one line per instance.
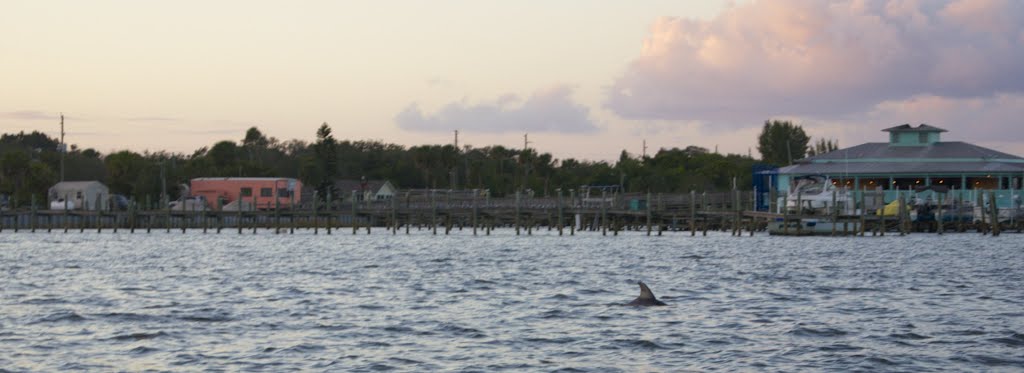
(80, 195)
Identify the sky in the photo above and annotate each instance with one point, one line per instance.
(581, 78)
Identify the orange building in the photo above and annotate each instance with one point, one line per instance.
(267, 192)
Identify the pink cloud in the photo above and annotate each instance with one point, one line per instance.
(996, 118)
(817, 58)
(547, 110)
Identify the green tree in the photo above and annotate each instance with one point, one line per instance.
(224, 155)
(40, 178)
(323, 168)
(823, 146)
(782, 142)
(14, 168)
(123, 171)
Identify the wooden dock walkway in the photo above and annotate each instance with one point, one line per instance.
(650, 213)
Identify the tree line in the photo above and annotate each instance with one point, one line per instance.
(30, 164)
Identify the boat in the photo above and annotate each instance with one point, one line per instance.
(811, 227)
(813, 194)
(58, 204)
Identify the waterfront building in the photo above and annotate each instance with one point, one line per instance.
(915, 159)
(80, 195)
(265, 192)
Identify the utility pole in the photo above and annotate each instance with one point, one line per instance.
(455, 168)
(522, 160)
(163, 184)
(645, 149)
(62, 148)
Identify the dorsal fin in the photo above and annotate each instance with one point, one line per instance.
(646, 297)
(645, 292)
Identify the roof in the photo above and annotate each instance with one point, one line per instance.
(876, 168)
(881, 158)
(948, 150)
(77, 184)
(347, 186)
(909, 128)
(243, 178)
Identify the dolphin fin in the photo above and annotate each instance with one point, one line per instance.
(646, 297)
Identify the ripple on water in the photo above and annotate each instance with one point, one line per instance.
(128, 317)
(461, 331)
(59, 317)
(641, 344)
(265, 302)
(909, 336)
(825, 332)
(142, 350)
(137, 336)
(1013, 340)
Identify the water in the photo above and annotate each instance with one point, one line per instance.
(195, 302)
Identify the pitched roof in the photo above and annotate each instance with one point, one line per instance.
(881, 158)
(77, 184)
(875, 168)
(937, 151)
(909, 128)
(244, 178)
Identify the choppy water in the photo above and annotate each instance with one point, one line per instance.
(108, 302)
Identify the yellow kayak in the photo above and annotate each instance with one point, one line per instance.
(890, 209)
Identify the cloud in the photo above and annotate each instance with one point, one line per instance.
(986, 119)
(439, 82)
(152, 119)
(550, 110)
(29, 115)
(822, 59)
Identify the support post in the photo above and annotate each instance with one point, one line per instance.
(67, 224)
(704, 206)
(648, 208)
(255, 217)
(329, 224)
(32, 215)
(799, 212)
(693, 213)
(561, 220)
(785, 214)
(835, 212)
(516, 218)
(604, 214)
(572, 207)
(863, 212)
(996, 228)
(238, 211)
(902, 209)
(167, 213)
(355, 225)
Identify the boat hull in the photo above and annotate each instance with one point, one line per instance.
(811, 227)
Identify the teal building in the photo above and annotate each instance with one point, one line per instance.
(913, 159)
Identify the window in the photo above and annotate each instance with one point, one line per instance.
(246, 192)
(923, 137)
(283, 193)
(266, 192)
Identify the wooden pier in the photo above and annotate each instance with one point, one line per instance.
(441, 213)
